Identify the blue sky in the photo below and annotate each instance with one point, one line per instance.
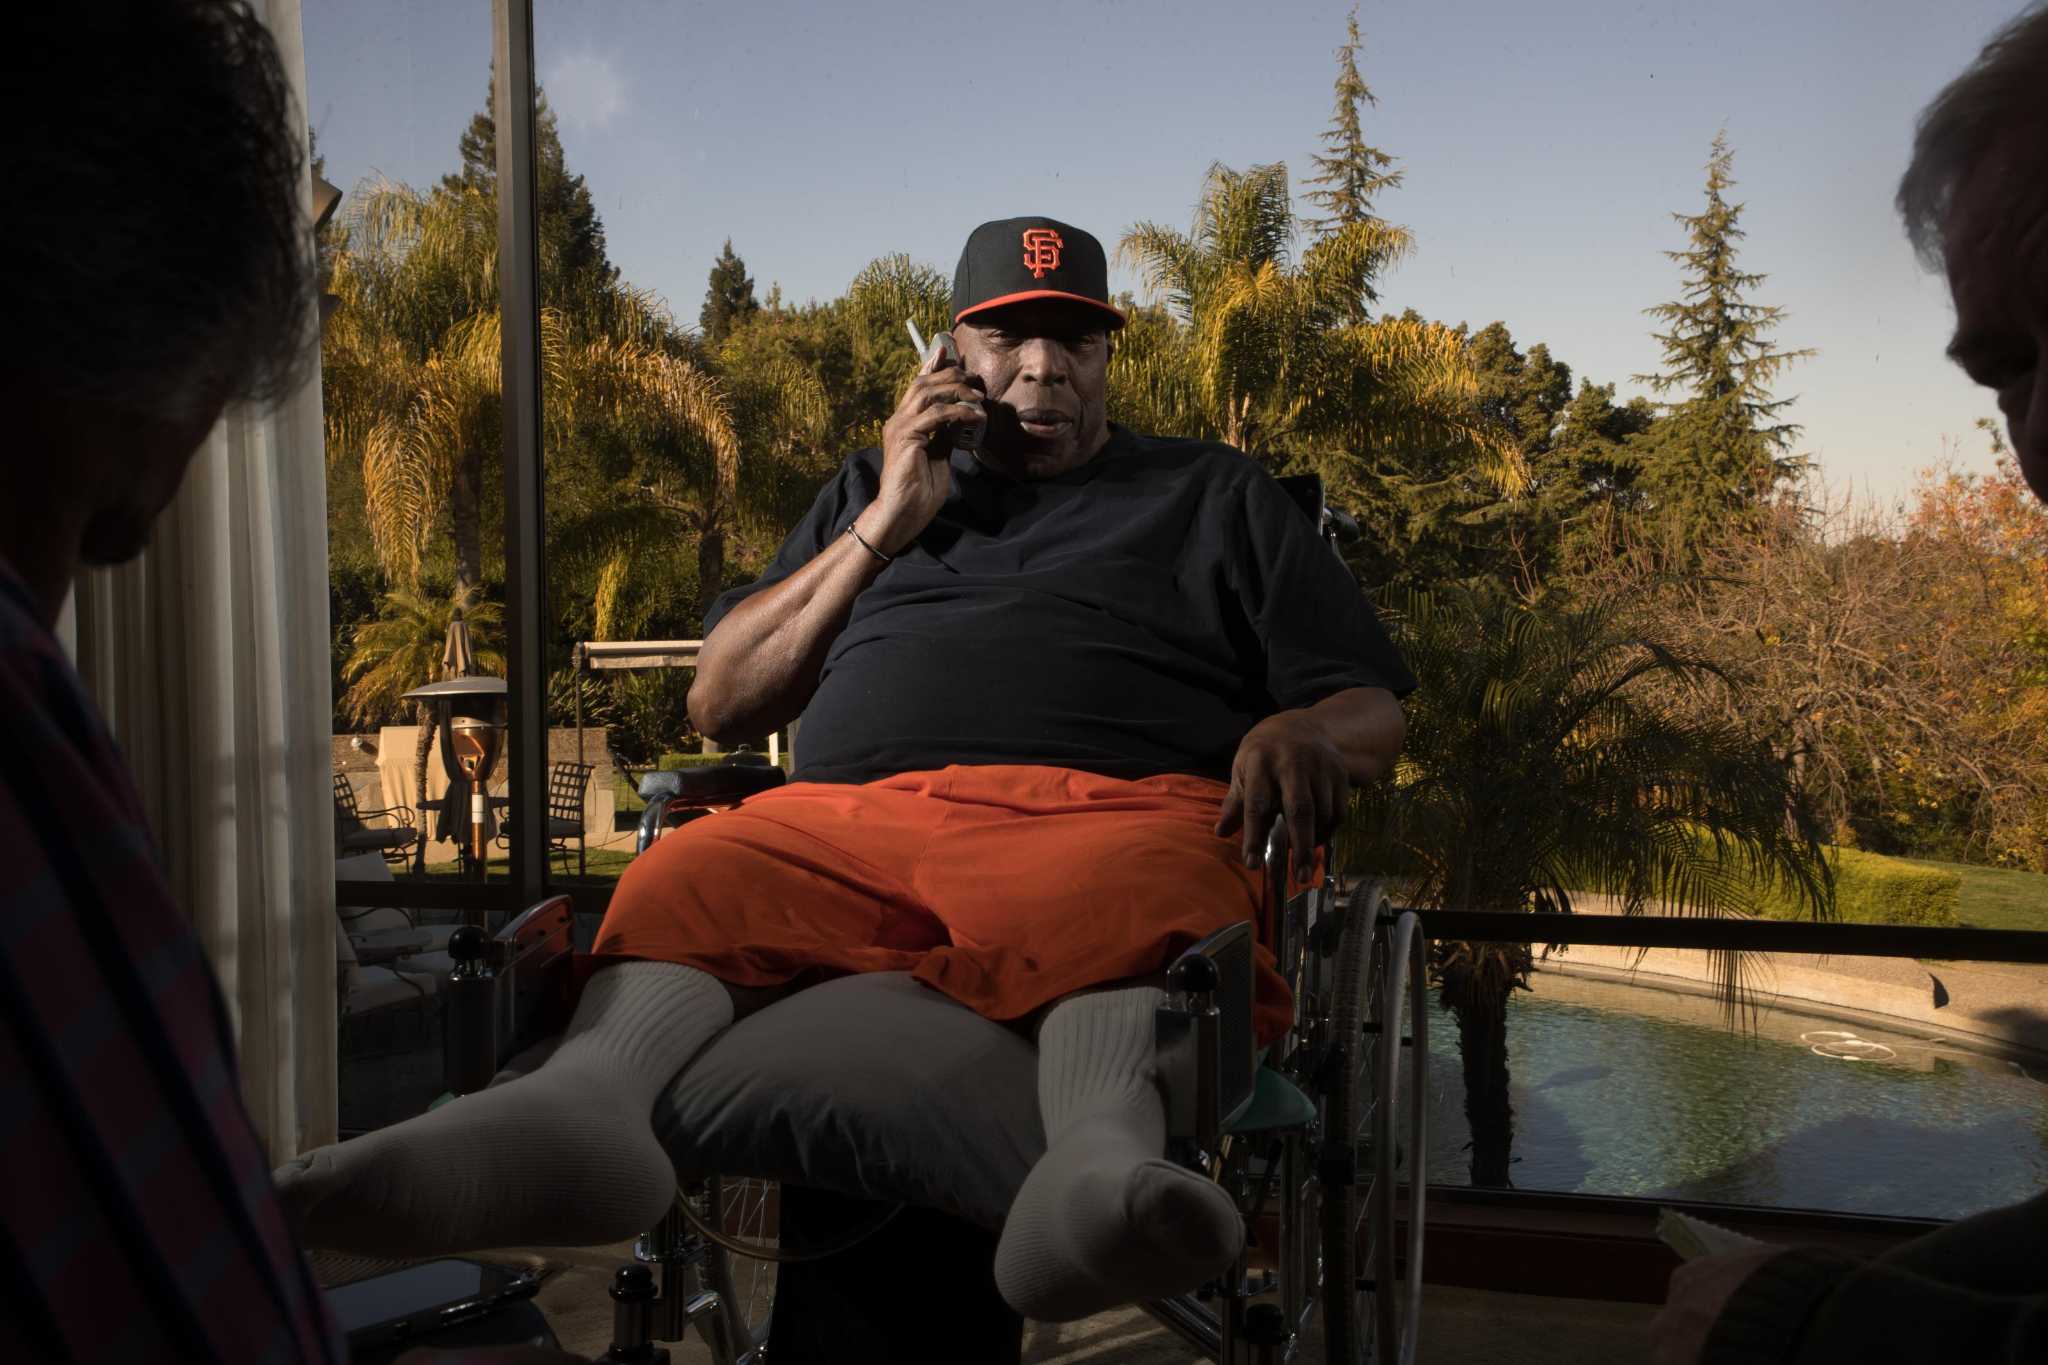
(1545, 147)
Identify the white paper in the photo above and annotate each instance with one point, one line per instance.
(1693, 1237)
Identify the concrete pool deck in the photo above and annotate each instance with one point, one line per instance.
(1996, 1007)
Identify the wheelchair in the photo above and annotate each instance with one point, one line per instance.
(1322, 1142)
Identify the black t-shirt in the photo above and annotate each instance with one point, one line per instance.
(1131, 617)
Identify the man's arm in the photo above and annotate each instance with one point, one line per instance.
(1301, 764)
(758, 669)
(760, 665)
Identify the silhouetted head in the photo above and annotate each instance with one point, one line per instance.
(1975, 202)
(155, 257)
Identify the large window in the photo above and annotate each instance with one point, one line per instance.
(412, 385)
(1596, 321)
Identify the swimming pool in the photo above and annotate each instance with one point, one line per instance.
(1624, 1090)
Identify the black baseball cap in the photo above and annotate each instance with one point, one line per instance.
(1016, 260)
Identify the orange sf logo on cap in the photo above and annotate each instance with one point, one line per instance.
(1041, 251)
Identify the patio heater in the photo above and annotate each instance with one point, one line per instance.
(471, 713)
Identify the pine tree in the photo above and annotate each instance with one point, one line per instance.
(1524, 395)
(1724, 445)
(728, 300)
(574, 259)
(1353, 171)
(1574, 444)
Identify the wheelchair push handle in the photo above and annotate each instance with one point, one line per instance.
(1279, 859)
(466, 950)
(1195, 973)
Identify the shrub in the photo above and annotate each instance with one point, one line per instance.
(1873, 889)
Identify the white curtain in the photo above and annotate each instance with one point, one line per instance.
(209, 655)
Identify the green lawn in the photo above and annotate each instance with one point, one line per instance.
(605, 865)
(1997, 897)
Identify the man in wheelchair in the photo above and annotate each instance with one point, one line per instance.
(1041, 679)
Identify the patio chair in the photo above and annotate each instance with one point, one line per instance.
(376, 929)
(353, 833)
(568, 789)
(366, 985)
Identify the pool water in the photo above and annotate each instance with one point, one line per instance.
(1622, 1090)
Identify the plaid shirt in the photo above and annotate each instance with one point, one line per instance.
(137, 1221)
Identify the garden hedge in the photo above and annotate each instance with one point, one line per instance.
(1873, 889)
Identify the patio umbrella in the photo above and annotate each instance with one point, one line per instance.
(458, 660)
(458, 656)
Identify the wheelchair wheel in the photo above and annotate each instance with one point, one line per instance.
(741, 1219)
(1367, 1316)
(745, 1251)
(740, 1215)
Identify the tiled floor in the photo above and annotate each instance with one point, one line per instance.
(1466, 1326)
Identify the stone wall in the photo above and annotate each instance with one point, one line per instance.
(1999, 1007)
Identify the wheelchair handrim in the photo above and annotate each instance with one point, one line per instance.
(775, 1252)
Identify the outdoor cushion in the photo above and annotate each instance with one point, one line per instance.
(435, 963)
(363, 989)
(871, 1085)
(364, 837)
(372, 942)
(366, 922)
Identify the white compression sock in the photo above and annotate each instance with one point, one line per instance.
(565, 1156)
(1103, 1219)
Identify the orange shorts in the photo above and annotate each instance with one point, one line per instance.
(1005, 887)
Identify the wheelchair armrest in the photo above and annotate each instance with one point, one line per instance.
(722, 785)
(1208, 1064)
(677, 789)
(505, 992)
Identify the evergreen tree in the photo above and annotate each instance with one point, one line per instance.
(1524, 394)
(1353, 170)
(728, 301)
(1450, 527)
(1724, 446)
(574, 260)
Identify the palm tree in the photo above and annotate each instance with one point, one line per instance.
(1278, 356)
(412, 356)
(782, 418)
(1543, 761)
(409, 369)
(888, 291)
(420, 410)
(401, 650)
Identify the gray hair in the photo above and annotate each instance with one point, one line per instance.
(2000, 100)
(154, 251)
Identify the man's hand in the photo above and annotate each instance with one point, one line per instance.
(916, 477)
(1699, 1291)
(1288, 765)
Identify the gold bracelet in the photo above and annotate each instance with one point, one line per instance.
(886, 559)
